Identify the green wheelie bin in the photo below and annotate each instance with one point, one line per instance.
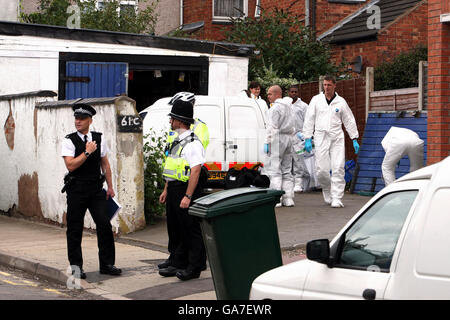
(241, 237)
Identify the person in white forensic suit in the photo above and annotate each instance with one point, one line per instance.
(397, 143)
(324, 117)
(278, 144)
(299, 169)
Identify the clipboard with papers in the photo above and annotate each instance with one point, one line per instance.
(113, 207)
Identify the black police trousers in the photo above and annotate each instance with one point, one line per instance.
(186, 247)
(84, 195)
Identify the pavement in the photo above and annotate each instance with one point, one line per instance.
(41, 250)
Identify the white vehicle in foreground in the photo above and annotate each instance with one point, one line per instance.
(396, 247)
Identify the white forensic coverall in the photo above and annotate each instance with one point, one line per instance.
(280, 128)
(397, 143)
(325, 123)
(299, 169)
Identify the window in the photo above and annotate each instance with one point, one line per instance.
(224, 9)
(258, 9)
(346, 1)
(371, 240)
(130, 6)
(124, 5)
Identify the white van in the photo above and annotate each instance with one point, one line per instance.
(396, 247)
(236, 128)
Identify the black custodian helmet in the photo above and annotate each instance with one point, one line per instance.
(183, 111)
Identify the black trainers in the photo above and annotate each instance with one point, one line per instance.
(188, 274)
(111, 270)
(170, 271)
(165, 264)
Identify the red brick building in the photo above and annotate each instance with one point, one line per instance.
(403, 23)
(379, 31)
(439, 80)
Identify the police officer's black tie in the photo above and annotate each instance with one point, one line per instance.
(85, 138)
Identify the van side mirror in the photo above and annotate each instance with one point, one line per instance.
(319, 251)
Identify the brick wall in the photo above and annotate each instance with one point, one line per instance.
(201, 10)
(438, 83)
(327, 14)
(30, 6)
(405, 33)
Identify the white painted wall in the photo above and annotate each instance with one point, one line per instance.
(9, 10)
(41, 154)
(227, 75)
(32, 64)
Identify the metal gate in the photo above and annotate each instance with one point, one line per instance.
(95, 79)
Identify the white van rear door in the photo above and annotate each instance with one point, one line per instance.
(244, 130)
(210, 111)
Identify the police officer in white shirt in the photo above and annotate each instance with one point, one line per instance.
(85, 156)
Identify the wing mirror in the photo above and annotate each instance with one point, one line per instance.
(319, 251)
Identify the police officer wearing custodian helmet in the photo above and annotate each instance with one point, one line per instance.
(85, 155)
(182, 171)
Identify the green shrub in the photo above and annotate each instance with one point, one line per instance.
(282, 41)
(54, 12)
(270, 77)
(153, 177)
(402, 72)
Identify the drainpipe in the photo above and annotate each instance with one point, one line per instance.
(181, 13)
(313, 15)
(307, 12)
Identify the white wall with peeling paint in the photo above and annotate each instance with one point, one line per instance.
(38, 137)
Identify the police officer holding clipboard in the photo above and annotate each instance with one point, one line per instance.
(85, 156)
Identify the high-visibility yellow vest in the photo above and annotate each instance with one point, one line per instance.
(175, 166)
(199, 128)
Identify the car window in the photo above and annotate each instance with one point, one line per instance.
(371, 240)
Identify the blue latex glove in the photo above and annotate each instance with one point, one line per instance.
(300, 136)
(356, 145)
(308, 145)
(266, 147)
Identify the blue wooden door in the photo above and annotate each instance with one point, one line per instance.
(95, 79)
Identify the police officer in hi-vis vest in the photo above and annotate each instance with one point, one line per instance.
(182, 168)
(85, 156)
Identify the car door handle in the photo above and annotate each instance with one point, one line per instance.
(369, 294)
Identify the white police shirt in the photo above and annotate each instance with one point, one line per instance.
(193, 152)
(68, 148)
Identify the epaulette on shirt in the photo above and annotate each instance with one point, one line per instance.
(70, 135)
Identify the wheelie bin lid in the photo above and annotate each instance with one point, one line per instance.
(233, 200)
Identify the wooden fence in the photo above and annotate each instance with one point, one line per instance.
(394, 100)
(407, 99)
